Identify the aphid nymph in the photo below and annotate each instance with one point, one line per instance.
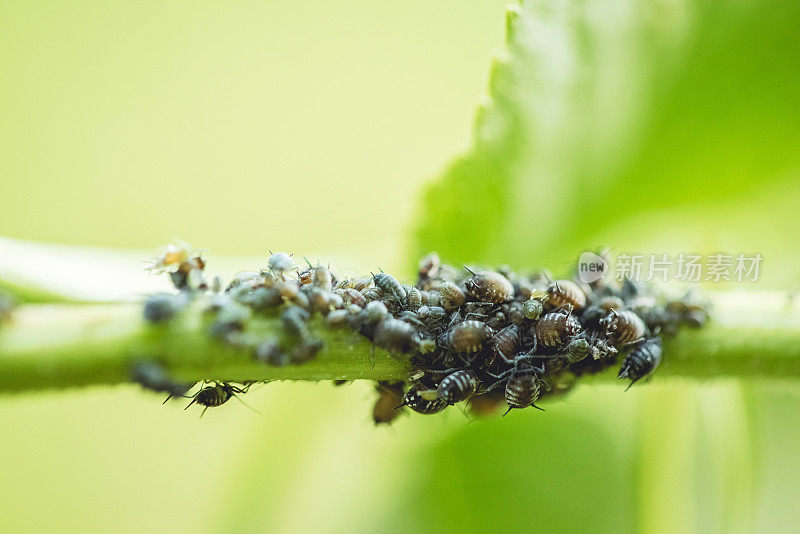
(489, 286)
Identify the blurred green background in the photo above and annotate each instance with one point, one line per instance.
(671, 127)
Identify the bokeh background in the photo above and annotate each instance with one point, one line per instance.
(317, 128)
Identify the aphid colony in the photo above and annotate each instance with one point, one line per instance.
(482, 336)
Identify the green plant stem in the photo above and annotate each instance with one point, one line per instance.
(61, 346)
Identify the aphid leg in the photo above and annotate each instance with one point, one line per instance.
(504, 357)
(635, 341)
(464, 359)
(244, 389)
(499, 378)
(455, 319)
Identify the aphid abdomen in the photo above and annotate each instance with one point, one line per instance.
(351, 296)
(610, 303)
(505, 343)
(396, 336)
(413, 298)
(489, 286)
(451, 296)
(321, 278)
(458, 386)
(624, 327)
(577, 350)
(468, 336)
(553, 329)
(532, 309)
(390, 287)
(566, 292)
(213, 396)
(522, 390)
(280, 262)
(416, 402)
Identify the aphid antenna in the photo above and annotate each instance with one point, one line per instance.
(496, 383)
(564, 307)
(506, 412)
(494, 307)
(446, 371)
(631, 385)
(470, 271)
(244, 403)
(538, 408)
(474, 314)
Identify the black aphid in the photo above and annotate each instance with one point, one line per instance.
(216, 394)
(162, 307)
(415, 400)
(153, 376)
(389, 403)
(458, 386)
(641, 361)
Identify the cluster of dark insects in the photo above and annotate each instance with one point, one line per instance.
(484, 336)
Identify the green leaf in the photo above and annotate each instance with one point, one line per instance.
(602, 113)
